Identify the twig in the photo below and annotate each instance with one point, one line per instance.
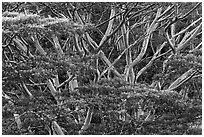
(87, 120)
(184, 16)
(120, 25)
(54, 11)
(16, 6)
(66, 81)
(11, 38)
(181, 18)
(37, 84)
(108, 19)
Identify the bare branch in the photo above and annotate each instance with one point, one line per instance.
(120, 25)
(192, 34)
(182, 79)
(65, 82)
(150, 62)
(188, 13)
(57, 45)
(87, 120)
(37, 45)
(184, 30)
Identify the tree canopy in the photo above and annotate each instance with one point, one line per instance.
(105, 68)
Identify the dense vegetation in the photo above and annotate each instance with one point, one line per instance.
(101, 68)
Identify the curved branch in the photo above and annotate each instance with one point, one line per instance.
(87, 120)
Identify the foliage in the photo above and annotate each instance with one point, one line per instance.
(54, 55)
